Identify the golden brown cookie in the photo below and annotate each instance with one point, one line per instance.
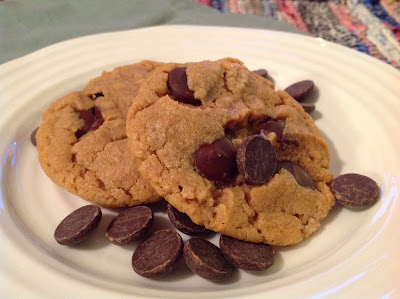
(166, 126)
(82, 142)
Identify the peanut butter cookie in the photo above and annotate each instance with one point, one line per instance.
(82, 142)
(237, 157)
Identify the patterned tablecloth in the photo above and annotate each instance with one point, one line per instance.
(370, 26)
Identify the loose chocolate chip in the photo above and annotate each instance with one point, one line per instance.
(77, 226)
(275, 126)
(256, 159)
(216, 161)
(261, 72)
(183, 222)
(92, 118)
(301, 175)
(206, 260)
(308, 107)
(177, 83)
(33, 136)
(355, 190)
(158, 254)
(245, 255)
(130, 225)
(300, 90)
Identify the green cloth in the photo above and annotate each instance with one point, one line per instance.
(28, 25)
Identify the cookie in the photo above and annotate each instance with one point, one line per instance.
(82, 143)
(165, 133)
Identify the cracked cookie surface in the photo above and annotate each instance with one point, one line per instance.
(165, 134)
(82, 143)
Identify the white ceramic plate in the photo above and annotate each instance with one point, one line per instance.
(355, 253)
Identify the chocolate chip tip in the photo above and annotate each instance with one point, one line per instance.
(33, 136)
(183, 223)
(300, 90)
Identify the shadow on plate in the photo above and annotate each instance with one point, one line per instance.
(336, 164)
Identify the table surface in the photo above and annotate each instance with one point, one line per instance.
(369, 26)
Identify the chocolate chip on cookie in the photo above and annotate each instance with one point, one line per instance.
(275, 126)
(158, 254)
(355, 190)
(183, 222)
(206, 260)
(288, 143)
(96, 95)
(177, 83)
(93, 120)
(256, 159)
(261, 72)
(216, 161)
(33, 136)
(300, 90)
(246, 255)
(130, 225)
(301, 175)
(77, 226)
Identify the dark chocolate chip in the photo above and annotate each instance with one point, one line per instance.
(262, 120)
(301, 175)
(33, 136)
(256, 159)
(177, 83)
(216, 161)
(77, 226)
(275, 126)
(183, 222)
(300, 90)
(93, 120)
(245, 255)
(355, 190)
(288, 142)
(308, 107)
(261, 72)
(158, 254)
(130, 225)
(97, 95)
(206, 260)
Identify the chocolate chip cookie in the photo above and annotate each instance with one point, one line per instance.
(82, 142)
(187, 124)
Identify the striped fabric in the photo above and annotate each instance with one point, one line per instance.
(369, 26)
